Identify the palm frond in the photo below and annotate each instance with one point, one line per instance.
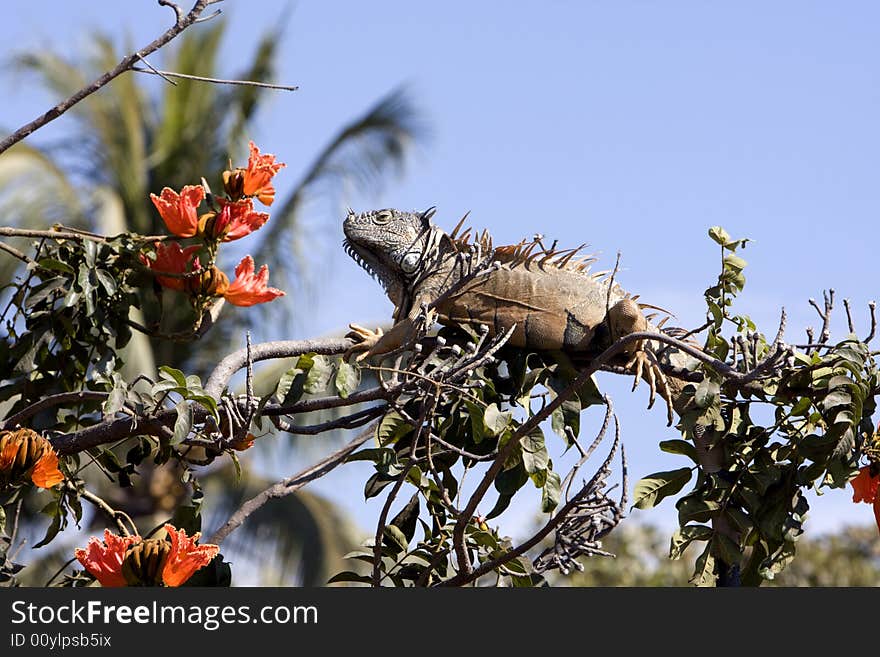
(298, 540)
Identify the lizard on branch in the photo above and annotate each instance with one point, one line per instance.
(548, 295)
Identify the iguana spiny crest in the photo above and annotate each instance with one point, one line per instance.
(549, 295)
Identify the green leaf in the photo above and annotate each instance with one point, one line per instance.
(392, 428)
(551, 492)
(684, 536)
(43, 291)
(734, 262)
(707, 393)
(350, 576)
(653, 488)
(682, 447)
(500, 505)
(692, 508)
(290, 386)
(171, 374)
(495, 420)
(535, 456)
(183, 423)
(719, 235)
(55, 265)
(405, 521)
(318, 377)
(348, 378)
(704, 570)
(477, 424)
(727, 549)
(107, 281)
(114, 401)
(396, 536)
(379, 455)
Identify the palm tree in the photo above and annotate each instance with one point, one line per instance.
(129, 142)
(135, 137)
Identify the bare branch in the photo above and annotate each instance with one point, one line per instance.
(154, 70)
(16, 253)
(590, 490)
(126, 64)
(178, 12)
(114, 514)
(321, 403)
(167, 75)
(221, 375)
(849, 319)
(48, 402)
(352, 421)
(872, 305)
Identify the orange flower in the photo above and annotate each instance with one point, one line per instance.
(179, 210)
(866, 488)
(248, 289)
(243, 443)
(212, 283)
(258, 175)
(186, 557)
(104, 561)
(172, 259)
(46, 473)
(25, 454)
(179, 558)
(236, 220)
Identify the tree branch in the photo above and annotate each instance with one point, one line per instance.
(127, 63)
(221, 375)
(291, 484)
(48, 402)
(200, 78)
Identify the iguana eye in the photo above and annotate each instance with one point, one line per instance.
(382, 218)
(410, 262)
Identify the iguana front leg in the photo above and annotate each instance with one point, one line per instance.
(626, 317)
(376, 343)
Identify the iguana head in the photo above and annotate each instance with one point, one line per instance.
(395, 246)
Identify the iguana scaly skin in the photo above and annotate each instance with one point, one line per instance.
(551, 298)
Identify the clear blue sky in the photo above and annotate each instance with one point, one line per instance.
(633, 126)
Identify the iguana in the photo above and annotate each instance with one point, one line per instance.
(550, 296)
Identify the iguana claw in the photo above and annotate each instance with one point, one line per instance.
(648, 366)
(365, 339)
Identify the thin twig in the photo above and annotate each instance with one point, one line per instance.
(50, 401)
(352, 421)
(291, 484)
(124, 65)
(849, 319)
(16, 253)
(156, 71)
(114, 514)
(249, 83)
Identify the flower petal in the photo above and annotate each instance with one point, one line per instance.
(239, 219)
(249, 289)
(46, 473)
(258, 176)
(178, 211)
(865, 487)
(186, 556)
(171, 258)
(104, 560)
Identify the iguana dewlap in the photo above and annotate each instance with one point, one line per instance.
(551, 299)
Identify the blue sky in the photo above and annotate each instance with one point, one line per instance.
(632, 126)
